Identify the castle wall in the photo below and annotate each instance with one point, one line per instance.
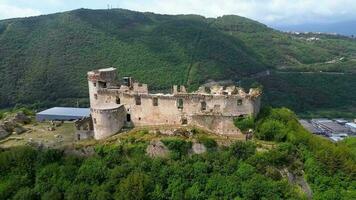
(114, 106)
(217, 116)
(107, 121)
(223, 125)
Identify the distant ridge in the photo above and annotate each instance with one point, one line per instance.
(347, 28)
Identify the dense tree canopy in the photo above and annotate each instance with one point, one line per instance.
(239, 171)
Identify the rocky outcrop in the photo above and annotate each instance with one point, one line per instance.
(13, 124)
(12, 127)
(157, 149)
(184, 132)
(3, 133)
(198, 148)
(19, 118)
(298, 180)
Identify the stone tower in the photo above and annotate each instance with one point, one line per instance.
(130, 104)
(108, 117)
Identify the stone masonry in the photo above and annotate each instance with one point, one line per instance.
(114, 106)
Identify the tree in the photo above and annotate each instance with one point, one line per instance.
(245, 123)
(272, 130)
(25, 193)
(92, 171)
(53, 194)
(80, 191)
(134, 187)
(242, 150)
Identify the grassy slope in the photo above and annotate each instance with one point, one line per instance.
(44, 59)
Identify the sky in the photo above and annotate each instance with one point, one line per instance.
(271, 12)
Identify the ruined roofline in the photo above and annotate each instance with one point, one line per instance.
(114, 91)
(95, 71)
(135, 87)
(116, 103)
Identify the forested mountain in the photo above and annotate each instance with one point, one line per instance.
(44, 59)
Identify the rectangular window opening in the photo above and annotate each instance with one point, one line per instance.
(128, 118)
(184, 121)
(203, 105)
(138, 100)
(102, 84)
(180, 103)
(118, 100)
(155, 101)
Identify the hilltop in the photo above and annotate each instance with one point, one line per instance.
(282, 161)
(44, 59)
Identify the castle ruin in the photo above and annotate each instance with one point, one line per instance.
(114, 106)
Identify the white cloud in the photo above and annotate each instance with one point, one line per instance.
(268, 11)
(9, 11)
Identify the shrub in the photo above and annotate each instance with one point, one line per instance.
(245, 123)
(143, 132)
(208, 142)
(49, 156)
(242, 150)
(27, 111)
(92, 171)
(179, 147)
(79, 191)
(53, 194)
(25, 194)
(272, 130)
(135, 186)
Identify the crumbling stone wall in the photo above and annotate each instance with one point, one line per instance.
(84, 129)
(107, 121)
(223, 125)
(213, 108)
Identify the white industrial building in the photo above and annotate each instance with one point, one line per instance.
(351, 126)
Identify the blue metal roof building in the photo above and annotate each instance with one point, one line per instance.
(63, 114)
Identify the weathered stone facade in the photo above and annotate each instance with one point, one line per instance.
(114, 105)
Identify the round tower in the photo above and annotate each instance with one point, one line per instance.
(107, 118)
(100, 79)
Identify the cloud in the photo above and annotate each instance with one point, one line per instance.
(272, 12)
(9, 11)
(267, 11)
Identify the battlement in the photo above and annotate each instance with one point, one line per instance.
(131, 104)
(107, 74)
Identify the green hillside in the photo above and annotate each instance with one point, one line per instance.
(44, 60)
(283, 161)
